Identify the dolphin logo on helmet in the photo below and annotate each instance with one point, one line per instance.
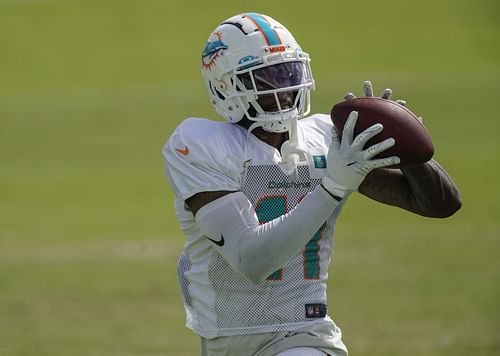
(212, 51)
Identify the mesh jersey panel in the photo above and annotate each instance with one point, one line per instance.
(183, 266)
(278, 303)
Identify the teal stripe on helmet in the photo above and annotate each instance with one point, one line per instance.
(267, 30)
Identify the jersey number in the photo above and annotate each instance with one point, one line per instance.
(270, 208)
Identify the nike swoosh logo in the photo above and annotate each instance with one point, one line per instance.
(218, 243)
(183, 151)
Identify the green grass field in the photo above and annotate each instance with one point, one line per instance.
(91, 89)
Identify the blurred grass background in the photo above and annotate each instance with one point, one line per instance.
(91, 89)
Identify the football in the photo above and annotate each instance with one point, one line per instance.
(413, 142)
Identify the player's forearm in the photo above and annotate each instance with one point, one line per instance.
(433, 189)
(284, 237)
(257, 250)
(424, 189)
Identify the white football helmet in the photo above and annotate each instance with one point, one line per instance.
(253, 67)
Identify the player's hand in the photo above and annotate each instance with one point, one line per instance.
(368, 91)
(348, 163)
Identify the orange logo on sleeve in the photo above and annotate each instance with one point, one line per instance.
(183, 151)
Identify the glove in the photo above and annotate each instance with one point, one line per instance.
(368, 91)
(348, 163)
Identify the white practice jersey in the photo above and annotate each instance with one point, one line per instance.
(204, 155)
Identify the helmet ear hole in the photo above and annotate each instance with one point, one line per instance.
(221, 86)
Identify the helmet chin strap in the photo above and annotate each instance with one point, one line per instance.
(292, 151)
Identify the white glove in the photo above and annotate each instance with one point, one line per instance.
(348, 163)
(368, 91)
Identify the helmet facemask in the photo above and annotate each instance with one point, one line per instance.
(272, 94)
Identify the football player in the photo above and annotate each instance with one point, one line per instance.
(258, 196)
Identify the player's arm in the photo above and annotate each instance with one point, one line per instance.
(199, 200)
(424, 189)
(256, 250)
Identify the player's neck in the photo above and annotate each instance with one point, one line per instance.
(274, 139)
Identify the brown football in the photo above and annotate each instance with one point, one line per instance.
(413, 143)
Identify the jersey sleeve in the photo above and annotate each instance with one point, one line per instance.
(196, 159)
